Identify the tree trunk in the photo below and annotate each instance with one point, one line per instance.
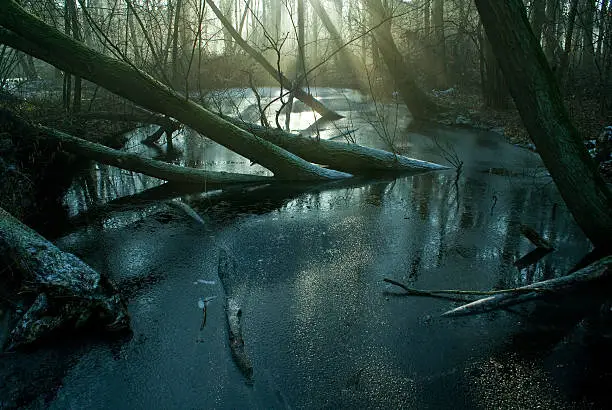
(495, 89)
(175, 42)
(297, 92)
(50, 45)
(67, 88)
(439, 44)
(227, 7)
(537, 97)
(603, 16)
(426, 18)
(137, 163)
(417, 101)
(587, 16)
(550, 29)
(349, 62)
(76, 33)
(538, 18)
(564, 63)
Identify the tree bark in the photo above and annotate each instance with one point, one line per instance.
(33, 36)
(539, 17)
(537, 97)
(300, 94)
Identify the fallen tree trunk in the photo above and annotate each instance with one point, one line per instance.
(136, 116)
(59, 289)
(353, 158)
(33, 36)
(137, 163)
(501, 299)
(297, 92)
(134, 162)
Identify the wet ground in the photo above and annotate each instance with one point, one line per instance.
(320, 326)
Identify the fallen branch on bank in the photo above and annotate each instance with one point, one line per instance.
(500, 299)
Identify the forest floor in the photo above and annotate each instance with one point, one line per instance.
(468, 109)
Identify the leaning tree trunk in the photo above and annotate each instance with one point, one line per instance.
(297, 92)
(33, 36)
(538, 99)
(417, 101)
(349, 61)
(569, 34)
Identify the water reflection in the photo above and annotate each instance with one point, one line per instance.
(312, 257)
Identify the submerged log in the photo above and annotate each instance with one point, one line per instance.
(233, 312)
(352, 158)
(58, 289)
(535, 238)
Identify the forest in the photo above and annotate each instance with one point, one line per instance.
(305, 204)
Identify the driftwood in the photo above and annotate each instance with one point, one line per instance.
(233, 312)
(353, 158)
(57, 289)
(500, 299)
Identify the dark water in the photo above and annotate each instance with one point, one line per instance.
(321, 327)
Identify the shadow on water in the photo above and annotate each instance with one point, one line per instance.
(318, 322)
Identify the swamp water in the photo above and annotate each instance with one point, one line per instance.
(320, 326)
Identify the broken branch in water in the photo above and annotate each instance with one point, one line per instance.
(438, 292)
(594, 271)
(535, 238)
(500, 299)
